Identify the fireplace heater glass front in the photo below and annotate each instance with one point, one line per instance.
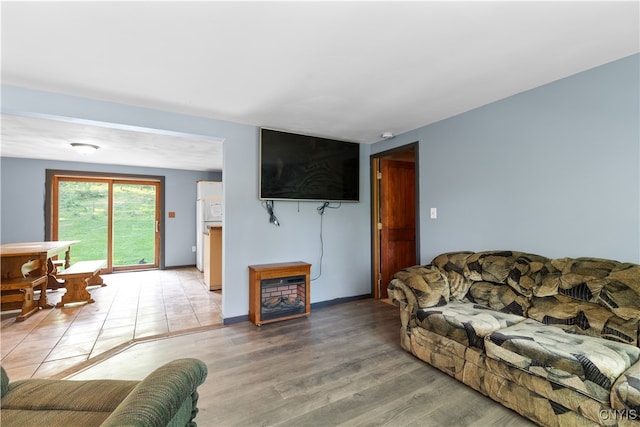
(282, 297)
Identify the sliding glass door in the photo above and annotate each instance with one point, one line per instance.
(114, 219)
(135, 224)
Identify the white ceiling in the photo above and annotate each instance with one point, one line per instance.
(345, 70)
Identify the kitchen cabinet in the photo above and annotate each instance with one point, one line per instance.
(213, 257)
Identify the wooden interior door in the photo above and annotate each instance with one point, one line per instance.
(397, 219)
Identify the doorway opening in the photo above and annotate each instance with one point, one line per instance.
(114, 217)
(395, 214)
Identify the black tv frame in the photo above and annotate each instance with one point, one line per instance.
(310, 168)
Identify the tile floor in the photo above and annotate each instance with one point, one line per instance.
(133, 306)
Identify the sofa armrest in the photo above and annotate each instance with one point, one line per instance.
(161, 395)
(401, 294)
(424, 284)
(625, 393)
(5, 381)
(404, 297)
(413, 288)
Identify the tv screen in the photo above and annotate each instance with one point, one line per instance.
(300, 167)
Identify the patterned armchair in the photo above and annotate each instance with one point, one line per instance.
(554, 339)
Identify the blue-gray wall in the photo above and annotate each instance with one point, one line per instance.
(248, 236)
(23, 186)
(554, 170)
(253, 240)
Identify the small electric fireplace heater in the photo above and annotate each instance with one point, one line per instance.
(278, 291)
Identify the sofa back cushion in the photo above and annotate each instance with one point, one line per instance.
(490, 266)
(579, 278)
(621, 292)
(584, 318)
(589, 296)
(522, 271)
(452, 265)
(611, 284)
(498, 297)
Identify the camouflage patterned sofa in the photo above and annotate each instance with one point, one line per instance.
(556, 340)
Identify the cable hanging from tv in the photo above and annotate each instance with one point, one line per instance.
(320, 210)
(268, 205)
(326, 205)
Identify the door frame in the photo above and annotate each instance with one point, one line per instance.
(374, 164)
(48, 205)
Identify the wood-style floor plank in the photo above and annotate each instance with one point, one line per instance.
(341, 366)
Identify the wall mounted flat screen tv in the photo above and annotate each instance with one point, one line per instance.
(300, 167)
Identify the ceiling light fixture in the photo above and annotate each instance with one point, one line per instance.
(387, 135)
(84, 148)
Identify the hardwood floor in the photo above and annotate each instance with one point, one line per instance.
(341, 366)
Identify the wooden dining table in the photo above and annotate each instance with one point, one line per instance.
(15, 255)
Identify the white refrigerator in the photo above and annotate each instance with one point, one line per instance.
(208, 212)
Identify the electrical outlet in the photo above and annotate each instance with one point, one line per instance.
(193, 248)
(433, 213)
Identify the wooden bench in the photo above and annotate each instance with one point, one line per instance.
(18, 293)
(76, 279)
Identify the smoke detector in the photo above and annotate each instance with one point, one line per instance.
(387, 135)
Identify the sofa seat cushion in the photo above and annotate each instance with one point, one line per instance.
(51, 418)
(584, 318)
(83, 396)
(585, 364)
(62, 403)
(465, 322)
